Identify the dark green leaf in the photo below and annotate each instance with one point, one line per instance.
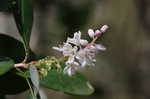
(57, 80)
(76, 84)
(10, 83)
(6, 64)
(10, 47)
(23, 14)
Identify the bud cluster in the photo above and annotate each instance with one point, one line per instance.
(47, 64)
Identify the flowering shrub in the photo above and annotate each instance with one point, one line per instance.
(49, 72)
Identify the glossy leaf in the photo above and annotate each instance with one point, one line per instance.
(12, 48)
(57, 80)
(75, 85)
(10, 83)
(6, 64)
(23, 14)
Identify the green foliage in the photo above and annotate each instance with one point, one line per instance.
(13, 49)
(23, 14)
(5, 65)
(56, 79)
(75, 85)
(10, 83)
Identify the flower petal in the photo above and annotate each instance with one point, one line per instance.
(83, 42)
(58, 49)
(100, 47)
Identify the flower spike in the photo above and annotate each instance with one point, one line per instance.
(79, 52)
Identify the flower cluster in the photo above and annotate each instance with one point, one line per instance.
(79, 52)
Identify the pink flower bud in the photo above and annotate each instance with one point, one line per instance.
(104, 28)
(91, 33)
(100, 47)
(83, 42)
(98, 33)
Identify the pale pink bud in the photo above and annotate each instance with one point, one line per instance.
(91, 33)
(98, 33)
(83, 42)
(104, 28)
(100, 47)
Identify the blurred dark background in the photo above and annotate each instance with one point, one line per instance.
(121, 72)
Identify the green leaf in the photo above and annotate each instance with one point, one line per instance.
(6, 64)
(57, 80)
(10, 83)
(12, 48)
(75, 85)
(5, 5)
(23, 13)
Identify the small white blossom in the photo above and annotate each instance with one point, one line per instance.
(71, 68)
(91, 33)
(76, 39)
(80, 53)
(67, 49)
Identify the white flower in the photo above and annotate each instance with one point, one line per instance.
(70, 60)
(86, 57)
(91, 33)
(80, 53)
(76, 39)
(67, 49)
(71, 67)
